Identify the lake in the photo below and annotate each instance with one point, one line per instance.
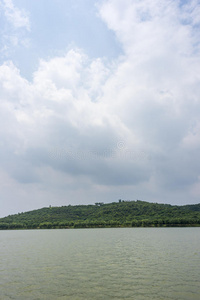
(94, 264)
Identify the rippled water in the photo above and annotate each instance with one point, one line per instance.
(122, 263)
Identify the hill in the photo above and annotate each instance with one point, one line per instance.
(117, 214)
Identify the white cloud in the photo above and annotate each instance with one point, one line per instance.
(14, 28)
(18, 18)
(132, 123)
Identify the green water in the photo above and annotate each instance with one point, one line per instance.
(129, 263)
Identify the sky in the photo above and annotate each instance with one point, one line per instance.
(99, 101)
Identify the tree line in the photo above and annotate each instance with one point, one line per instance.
(117, 214)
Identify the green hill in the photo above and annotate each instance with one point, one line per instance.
(116, 214)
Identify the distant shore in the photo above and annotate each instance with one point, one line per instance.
(121, 214)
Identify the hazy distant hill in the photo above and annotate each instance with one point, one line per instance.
(116, 214)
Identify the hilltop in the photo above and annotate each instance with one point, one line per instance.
(117, 214)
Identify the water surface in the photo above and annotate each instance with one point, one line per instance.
(95, 264)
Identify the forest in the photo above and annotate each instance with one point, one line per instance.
(116, 214)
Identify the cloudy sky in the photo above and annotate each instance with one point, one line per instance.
(99, 101)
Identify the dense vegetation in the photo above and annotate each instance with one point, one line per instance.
(116, 214)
